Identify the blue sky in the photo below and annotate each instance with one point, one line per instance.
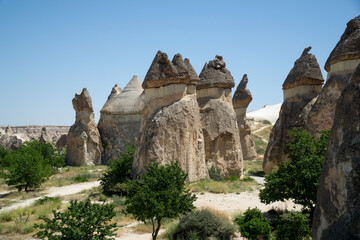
(49, 50)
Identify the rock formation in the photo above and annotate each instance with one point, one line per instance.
(11, 140)
(120, 119)
(34, 131)
(340, 65)
(83, 140)
(170, 125)
(218, 118)
(61, 143)
(301, 86)
(241, 100)
(45, 137)
(337, 212)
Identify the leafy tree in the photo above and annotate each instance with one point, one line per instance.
(81, 221)
(293, 226)
(119, 172)
(298, 179)
(3, 153)
(160, 193)
(48, 151)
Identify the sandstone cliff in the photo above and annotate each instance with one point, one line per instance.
(241, 101)
(170, 124)
(83, 140)
(337, 212)
(120, 119)
(218, 119)
(301, 86)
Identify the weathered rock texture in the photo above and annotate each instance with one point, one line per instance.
(301, 87)
(34, 132)
(83, 140)
(61, 143)
(120, 119)
(170, 125)
(241, 100)
(45, 136)
(218, 119)
(340, 65)
(337, 212)
(11, 140)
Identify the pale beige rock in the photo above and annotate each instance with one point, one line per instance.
(170, 124)
(34, 131)
(11, 140)
(241, 100)
(218, 119)
(83, 140)
(120, 119)
(45, 137)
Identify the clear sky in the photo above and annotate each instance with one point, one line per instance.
(51, 49)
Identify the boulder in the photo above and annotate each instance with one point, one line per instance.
(45, 137)
(241, 100)
(218, 119)
(170, 124)
(83, 140)
(120, 119)
(300, 88)
(11, 140)
(61, 143)
(340, 66)
(337, 212)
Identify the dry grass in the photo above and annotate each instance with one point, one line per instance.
(254, 167)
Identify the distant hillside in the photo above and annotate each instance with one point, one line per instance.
(268, 112)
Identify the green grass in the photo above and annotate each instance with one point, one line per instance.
(254, 168)
(260, 145)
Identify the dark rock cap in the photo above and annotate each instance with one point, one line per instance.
(242, 96)
(215, 74)
(163, 72)
(348, 47)
(306, 71)
(82, 101)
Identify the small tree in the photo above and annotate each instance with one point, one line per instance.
(298, 179)
(293, 226)
(81, 221)
(160, 193)
(119, 172)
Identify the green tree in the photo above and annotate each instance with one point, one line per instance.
(81, 221)
(119, 172)
(298, 179)
(160, 193)
(3, 153)
(293, 226)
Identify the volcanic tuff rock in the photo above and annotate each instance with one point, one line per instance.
(120, 119)
(340, 65)
(45, 137)
(61, 143)
(34, 131)
(11, 140)
(241, 100)
(301, 87)
(170, 124)
(218, 119)
(337, 212)
(83, 140)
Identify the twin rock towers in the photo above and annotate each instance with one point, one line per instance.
(173, 115)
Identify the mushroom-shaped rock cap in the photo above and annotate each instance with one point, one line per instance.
(215, 74)
(163, 72)
(242, 96)
(348, 47)
(82, 101)
(306, 71)
(129, 101)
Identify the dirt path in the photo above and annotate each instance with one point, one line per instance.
(55, 192)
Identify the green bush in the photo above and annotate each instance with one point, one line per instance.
(81, 221)
(114, 180)
(83, 177)
(47, 199)
(215, 174)
(266, 122)
(293, 226)
(253, 225)
(203, 225)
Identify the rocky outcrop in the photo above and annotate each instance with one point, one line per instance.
(34, 131)
(45, 137)
(218, 119)
(11, 140)
(170, 125)
(61, 143)
(300, 88)
(241, 100)
(83, 140)
(120, 119)
(340, 65)
(337, 212)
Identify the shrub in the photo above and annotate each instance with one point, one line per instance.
(293, 226)
(253, 224)
(47, 199)
(114, 179)
(82, 221)
(266, 122)
(215, 174)
(160, 193)
(203, 225)
(83, 177)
